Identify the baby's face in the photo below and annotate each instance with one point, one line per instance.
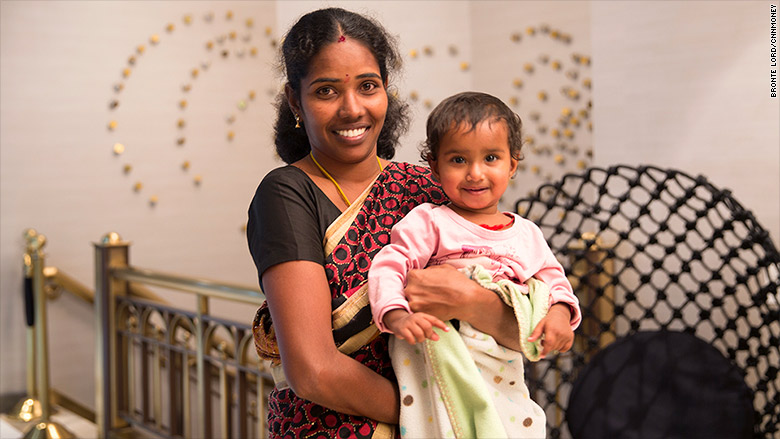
(474, 167)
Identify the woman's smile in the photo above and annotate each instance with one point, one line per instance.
(353, 133)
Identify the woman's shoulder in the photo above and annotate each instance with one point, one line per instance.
(411, 169)
(288, 188)
(285, 180)
(415, 182)
(285, 174)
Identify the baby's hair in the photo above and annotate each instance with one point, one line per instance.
(468, 109)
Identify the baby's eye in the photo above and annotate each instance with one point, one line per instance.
(491, 158)
(458, 160)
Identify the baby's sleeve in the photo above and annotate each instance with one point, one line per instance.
(412, 242)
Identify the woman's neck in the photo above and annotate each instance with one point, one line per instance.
(341, 182)
(346, 173)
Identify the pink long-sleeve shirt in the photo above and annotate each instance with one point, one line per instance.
(433, 235)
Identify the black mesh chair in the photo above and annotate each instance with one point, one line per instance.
(650, 250)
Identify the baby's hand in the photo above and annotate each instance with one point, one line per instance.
(555, 326)
(413, 327)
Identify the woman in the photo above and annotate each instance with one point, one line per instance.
(315, 224)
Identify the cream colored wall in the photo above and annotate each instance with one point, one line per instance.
(60, 62)
(674, 84)
(539, 28)
(687, 85)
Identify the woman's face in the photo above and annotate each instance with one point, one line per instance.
(342, 103)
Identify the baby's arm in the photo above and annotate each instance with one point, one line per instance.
(564, 315)
(412, 242)
(413, 327)
(557, 331)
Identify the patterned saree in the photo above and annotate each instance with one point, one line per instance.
(350, 243)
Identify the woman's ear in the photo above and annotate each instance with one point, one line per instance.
(292, 99)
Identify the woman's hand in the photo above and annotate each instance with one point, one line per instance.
(445, 292)
(439, 290)
(556, 328)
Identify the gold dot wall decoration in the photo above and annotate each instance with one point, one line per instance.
(231, 40)
(561, 121)
(549, 87)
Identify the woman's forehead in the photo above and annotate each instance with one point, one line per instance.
(342, 57)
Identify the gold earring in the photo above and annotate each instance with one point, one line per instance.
(297, 121)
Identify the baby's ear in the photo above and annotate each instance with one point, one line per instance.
(513, 169)
(434, 165)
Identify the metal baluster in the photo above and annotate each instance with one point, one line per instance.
(110, 253)
(185, 391)
(204, 400)
(157, 380)
(45, 427)
(260, 407)
(131, 366)
(224, 393)
(29, 407)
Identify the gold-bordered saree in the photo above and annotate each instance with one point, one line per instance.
(350, 243)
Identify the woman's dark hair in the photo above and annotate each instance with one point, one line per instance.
(303, 42)
(469, 109)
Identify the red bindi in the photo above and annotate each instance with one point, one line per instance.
(342, 39)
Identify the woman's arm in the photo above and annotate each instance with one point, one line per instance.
(443, 291)
(313, 366)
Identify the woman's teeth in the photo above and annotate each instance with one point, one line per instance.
(351, 133)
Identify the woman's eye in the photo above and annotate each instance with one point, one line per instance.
(368, 86)
(325, 91)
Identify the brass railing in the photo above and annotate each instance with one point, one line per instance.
(160, 369)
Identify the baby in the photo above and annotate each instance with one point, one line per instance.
(473, 148)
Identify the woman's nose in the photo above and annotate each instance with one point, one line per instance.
(351, 106)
